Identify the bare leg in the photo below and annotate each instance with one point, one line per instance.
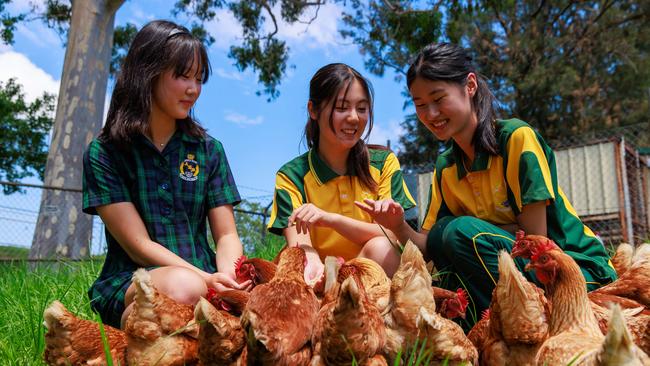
(181, 284)
(380, 250)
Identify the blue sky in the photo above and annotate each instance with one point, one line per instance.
(259, 136)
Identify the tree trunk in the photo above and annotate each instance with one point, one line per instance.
(62, 230)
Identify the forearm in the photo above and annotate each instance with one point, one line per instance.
(147, 253)
(405, 233)
(356, 231)
(229, 249)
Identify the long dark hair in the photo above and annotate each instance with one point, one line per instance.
(324, 87)
(450, 63)
(158, 47)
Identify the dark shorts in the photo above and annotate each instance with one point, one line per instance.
(107, 298)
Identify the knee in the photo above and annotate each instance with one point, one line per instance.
(380, 250)
(447, 233)
(181, 284)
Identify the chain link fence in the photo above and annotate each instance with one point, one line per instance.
(604, 174)
(19, 211)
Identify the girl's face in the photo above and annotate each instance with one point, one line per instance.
(446, 108)
(173, 97)
(349, 117)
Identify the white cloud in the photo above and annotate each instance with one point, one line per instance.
(380, 134)
(34, 80)
(232, 75)
(241, 119)
(323, 31)
(39, 34)
(225, 29)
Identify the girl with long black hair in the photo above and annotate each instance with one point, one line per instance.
(315, 192)
(497, 176)
(154, 176)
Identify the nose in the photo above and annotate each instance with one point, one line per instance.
(432, 111)
(193, 88)
(353, 116)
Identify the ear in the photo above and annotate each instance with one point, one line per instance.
(472, 84)
(312, 111)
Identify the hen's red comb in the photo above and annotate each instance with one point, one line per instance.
(462, 298)
(520, 235)
(542, 246)
(485, 314)
(239, 262)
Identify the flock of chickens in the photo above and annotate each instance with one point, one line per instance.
(357, 314)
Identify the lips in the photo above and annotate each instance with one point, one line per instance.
(187, 103)
(349, 131)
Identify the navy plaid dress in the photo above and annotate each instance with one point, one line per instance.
(172, 191)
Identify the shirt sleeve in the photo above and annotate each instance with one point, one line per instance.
(436, 205)
(221, 183)
(527, 171)
(392, 184)
(287, 197)
(102, 182)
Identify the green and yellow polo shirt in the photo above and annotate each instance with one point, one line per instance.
(495, 188)
(307, 179)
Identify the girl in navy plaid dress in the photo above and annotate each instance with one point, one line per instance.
(153, 176)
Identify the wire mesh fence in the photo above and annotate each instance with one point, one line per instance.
(604, 174)
(19, 212)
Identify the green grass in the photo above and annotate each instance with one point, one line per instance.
(25, 293)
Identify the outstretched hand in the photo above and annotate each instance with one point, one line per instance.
(386, 213)
(222, 282)
(307, 216)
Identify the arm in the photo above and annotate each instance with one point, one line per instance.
(314, 267)
(229, 248)
(125, 224)
(390, 214)
(532, 219)
(308, 215)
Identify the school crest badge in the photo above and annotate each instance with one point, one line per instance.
(189, 169)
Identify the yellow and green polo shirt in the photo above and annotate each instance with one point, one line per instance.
(496, 187)
(307, 179)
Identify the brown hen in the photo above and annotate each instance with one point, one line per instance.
(280, 315)
(373, 278)
(413, 315)
(73, 341)
(348, 328)
(518, 321)
(159, 330)
(574, 334)
(257, 270)
(618, 348)
(221, 337)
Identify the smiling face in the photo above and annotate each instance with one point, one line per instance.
(349, 115)
(174, 96)
(445, 108)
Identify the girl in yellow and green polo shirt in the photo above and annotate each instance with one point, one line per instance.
(315, 193)
(496, 177)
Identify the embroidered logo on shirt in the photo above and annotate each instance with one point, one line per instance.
(189, 169)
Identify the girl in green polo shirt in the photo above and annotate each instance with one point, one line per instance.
(314, 196)
(154, 176)
(496, 177)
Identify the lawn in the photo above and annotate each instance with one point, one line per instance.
(26, 289)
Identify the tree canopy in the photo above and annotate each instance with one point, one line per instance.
(565, 67)
(25, 128)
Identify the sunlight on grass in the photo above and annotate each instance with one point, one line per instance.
(24, 295)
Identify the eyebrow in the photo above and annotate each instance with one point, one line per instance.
(346, 100)
(434, 91)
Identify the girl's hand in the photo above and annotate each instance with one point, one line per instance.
(314, 269)
(386, 213)
(222, 282)
(308, 215)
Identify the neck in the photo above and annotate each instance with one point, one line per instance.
(464, 137)
(570, 306)
(336, 159)
(161, 129)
